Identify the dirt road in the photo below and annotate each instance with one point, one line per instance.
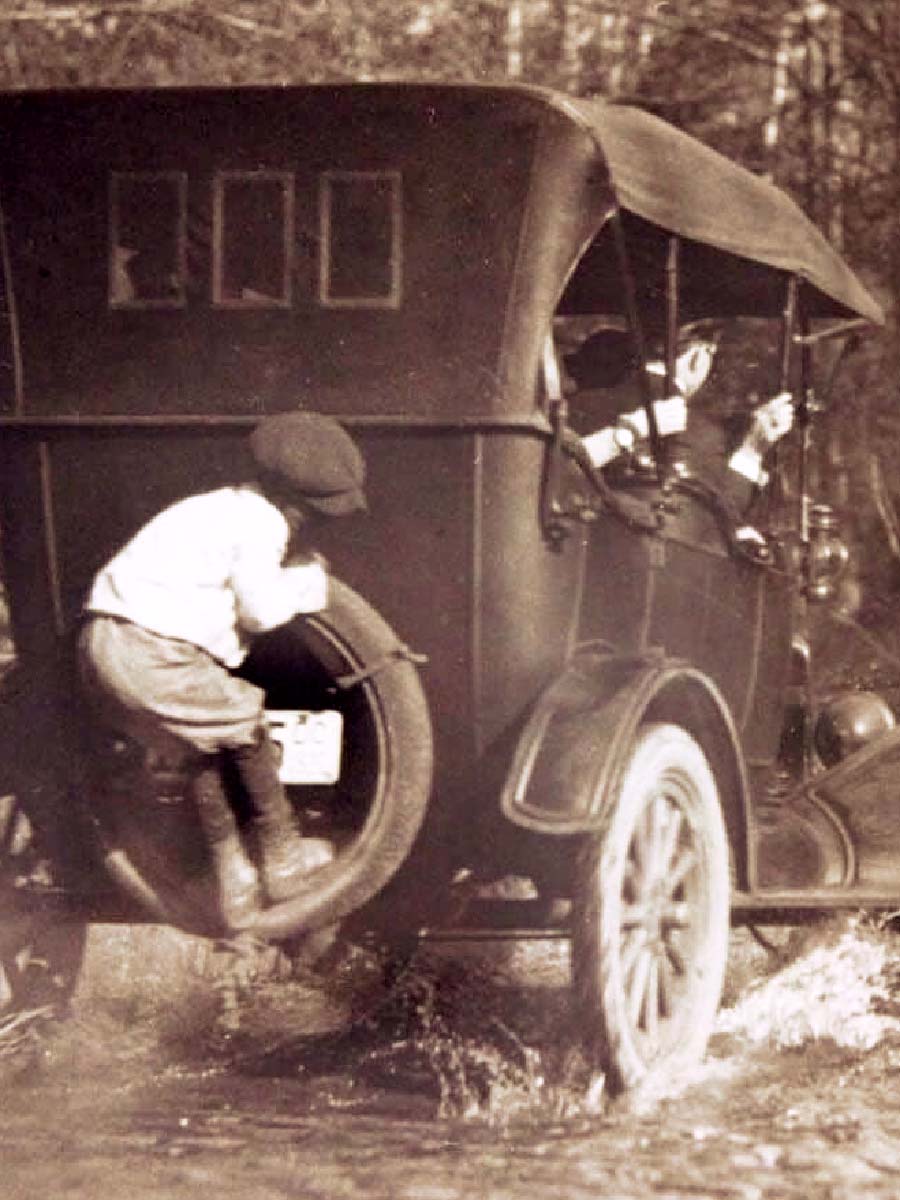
(464, 1085)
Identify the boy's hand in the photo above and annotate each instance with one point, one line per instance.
(309, 586)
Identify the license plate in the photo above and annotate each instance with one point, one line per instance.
(310, 744)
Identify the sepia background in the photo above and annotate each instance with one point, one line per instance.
(177, 1073)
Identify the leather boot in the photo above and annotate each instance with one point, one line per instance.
(236, 877)
(286, 857)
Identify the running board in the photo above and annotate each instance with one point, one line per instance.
(789, 907)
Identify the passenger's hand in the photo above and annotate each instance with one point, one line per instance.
(774, 419)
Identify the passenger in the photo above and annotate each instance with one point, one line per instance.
(726, 454)
(171, 615)
(604, 397)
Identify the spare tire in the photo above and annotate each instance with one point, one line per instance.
(349, 659)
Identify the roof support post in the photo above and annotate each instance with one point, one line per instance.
(672, 281)
(636, 330)
(788, 331)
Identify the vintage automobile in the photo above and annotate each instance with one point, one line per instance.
(545, 699)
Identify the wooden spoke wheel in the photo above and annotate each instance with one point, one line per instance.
(650, 935)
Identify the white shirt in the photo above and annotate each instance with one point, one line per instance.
(208, 570)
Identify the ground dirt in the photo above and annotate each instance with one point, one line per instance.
(181, 1072)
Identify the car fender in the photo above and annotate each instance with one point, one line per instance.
(569, 758)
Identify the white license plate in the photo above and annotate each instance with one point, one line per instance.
(310, 744)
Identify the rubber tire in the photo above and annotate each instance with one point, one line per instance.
(352, 631)
(40, 960)
(664, 762)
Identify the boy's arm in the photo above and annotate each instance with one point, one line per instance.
(268, 594)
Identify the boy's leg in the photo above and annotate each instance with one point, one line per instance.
(239, 897)
(153, 688)
(155, 684)
(286, 857)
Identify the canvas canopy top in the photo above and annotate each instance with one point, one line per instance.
(676, 182)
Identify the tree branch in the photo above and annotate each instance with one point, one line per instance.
(88, 12)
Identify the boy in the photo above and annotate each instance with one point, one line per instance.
(172, 613)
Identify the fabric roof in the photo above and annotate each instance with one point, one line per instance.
(669, 178)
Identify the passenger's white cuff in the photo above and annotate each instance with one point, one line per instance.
(637, 419)
(601, 446)
(748, 462)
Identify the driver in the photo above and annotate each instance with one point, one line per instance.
(727, 453)
(173, 612)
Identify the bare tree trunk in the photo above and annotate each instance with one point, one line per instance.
(613, 35)
(646, 31)
(570, 53)
(834, 68)
(514, 39)
(772, 127)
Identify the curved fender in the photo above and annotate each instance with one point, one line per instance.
(569, 758)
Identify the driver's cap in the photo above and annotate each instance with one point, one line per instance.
(692, 366)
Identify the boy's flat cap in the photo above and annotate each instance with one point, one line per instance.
(313, 456)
